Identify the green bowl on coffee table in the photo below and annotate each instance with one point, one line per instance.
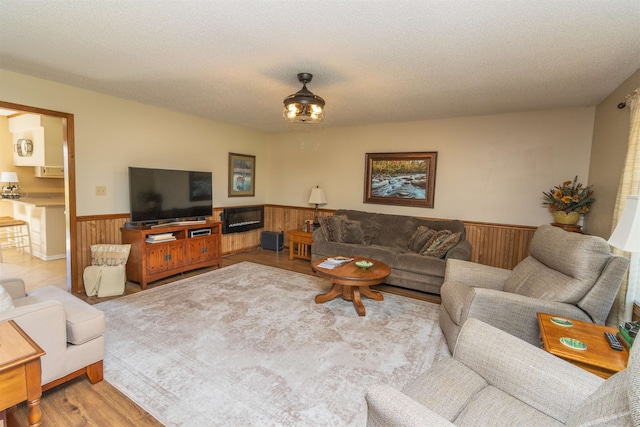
(364, 264)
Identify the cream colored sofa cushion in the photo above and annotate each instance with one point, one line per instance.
(6, 302)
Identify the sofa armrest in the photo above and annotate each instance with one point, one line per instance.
(387, 406)
(15, 287)
(462, 250)
(476, 275)
(45, 322)
(541, 380)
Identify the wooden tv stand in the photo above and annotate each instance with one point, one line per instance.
(151, 261)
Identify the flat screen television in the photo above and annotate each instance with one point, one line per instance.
(161, 195)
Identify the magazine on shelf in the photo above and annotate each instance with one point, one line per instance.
(163, 236)
(157, 238)
(160, 241)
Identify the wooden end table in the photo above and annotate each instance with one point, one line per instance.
(300, 244)
(352, 282)
(20, 371)
(568, 227)
(598, 358)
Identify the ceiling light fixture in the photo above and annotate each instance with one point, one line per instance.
(303, 106)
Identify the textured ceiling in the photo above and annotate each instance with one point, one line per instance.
(372, 61)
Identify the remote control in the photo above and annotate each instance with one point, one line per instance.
(613, 341)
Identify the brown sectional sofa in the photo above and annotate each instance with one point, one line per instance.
(387, 238)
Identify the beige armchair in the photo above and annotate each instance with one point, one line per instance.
(69, 330)
(567, 274)
(496, 379)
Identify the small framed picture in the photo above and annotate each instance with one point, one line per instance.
(403, 179)
(242, 173)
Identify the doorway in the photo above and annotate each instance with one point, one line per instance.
(69, 184)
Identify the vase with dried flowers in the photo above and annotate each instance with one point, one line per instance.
(568, 201)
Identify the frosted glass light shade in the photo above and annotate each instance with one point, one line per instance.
(303, 106)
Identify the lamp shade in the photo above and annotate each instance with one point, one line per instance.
(317, 196)
(626, 236)
(9, 177)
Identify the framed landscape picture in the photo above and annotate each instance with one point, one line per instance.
(403, 179)
(242, 175)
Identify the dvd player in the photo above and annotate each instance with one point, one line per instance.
(200, 232)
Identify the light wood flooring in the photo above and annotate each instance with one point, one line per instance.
(78, 402)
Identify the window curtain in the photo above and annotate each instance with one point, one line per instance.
(629, 184)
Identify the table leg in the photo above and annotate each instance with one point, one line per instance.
(347, 293)
(34, 392)
(350, 293)
(370, 293)
(34, 413)
(357, 302)
(335, 291)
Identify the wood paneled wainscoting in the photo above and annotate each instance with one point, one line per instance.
(497, 245)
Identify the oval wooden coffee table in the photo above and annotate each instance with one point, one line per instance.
(352, 282)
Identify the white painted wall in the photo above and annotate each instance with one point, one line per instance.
(490, 168)
(112, 134)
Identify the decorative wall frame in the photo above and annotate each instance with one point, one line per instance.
(402, 179)
(242, 175)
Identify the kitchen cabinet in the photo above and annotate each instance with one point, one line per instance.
(46, 137)
(47, 225)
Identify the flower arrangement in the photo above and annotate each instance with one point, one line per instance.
(571, 196)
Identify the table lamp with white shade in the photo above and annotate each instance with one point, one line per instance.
(626, 237)
(10, 191)
(317, 197)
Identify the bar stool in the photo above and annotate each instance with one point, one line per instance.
(14, 233)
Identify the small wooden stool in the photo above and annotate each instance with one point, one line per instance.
(14, 233)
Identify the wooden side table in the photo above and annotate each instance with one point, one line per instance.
(598, 358)
(299, 244)
(568, 227)
(20, 371)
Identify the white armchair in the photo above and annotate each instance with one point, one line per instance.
(69, 330)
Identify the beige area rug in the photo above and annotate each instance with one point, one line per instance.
(246, 345)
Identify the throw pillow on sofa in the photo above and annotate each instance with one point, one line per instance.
(331, 227)
(335, 225)
(324, 227)
(110, 255)
(352, 232)
(419, 238)
(440, 244)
